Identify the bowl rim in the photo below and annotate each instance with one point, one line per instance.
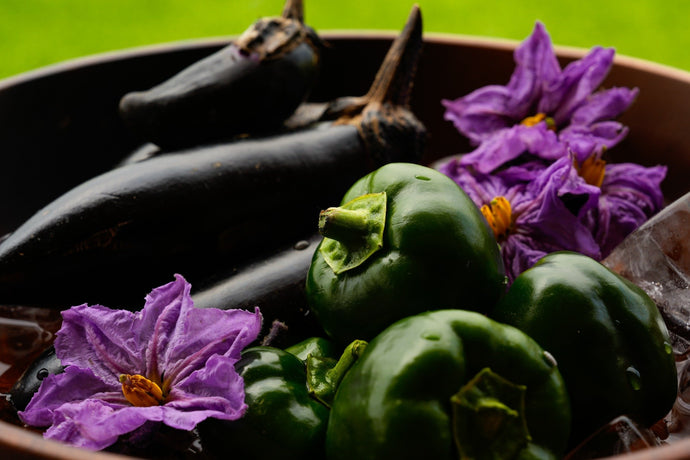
(336, 34)
(33, 445)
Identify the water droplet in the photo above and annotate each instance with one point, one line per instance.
(668, 348)
(431, 336)
(634, 378)
(421, 177)
(42, 373)
(300, 245)
(550, 360)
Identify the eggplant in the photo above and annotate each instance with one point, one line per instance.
(196, 211)
(27, 384)
(275, 284)
(250, 86)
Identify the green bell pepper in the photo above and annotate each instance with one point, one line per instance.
(288, 400)
(606, 334)
(314, 346)
(406, 237)
(450, 384)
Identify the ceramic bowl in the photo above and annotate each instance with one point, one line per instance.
(59, 126)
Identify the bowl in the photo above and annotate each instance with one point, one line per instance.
(59, 126)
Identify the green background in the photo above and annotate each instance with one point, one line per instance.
(35, 33)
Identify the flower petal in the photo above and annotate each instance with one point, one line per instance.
(604, 105)
(160, 323)
(99, 338)
(95, 424)
(554, 222)
(562, 180)
(481, 113)
(520, 252)
(74, 384)
(481, 188)
(575, 84)
(509, 144)
(203, 333)
(536, 67)
(491, 108)
(631, 194)
(215, 391)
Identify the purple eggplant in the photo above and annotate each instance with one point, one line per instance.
(197, 211)
(250, 86)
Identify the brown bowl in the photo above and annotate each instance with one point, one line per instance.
(59, 126)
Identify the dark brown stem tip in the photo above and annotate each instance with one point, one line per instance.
(393, 82)
(294, 9)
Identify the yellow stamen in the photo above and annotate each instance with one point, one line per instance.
(141, 391)
(538, 118)
(592, 170)
(499, 215)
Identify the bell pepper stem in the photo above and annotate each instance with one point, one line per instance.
(353, 232)
(489, 417)
(325, 374)
(353, 351)
(343, 224)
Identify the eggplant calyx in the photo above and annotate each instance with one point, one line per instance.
(294, 9)
(395, 78)
(382, 116)
(273, 37)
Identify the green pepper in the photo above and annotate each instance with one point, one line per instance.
(450, 384)
(406, 237)
(287, 396)
(314, 346)
(606, 334)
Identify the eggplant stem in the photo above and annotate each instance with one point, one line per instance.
(294, 9)
(394, 79)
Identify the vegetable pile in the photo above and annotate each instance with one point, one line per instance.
(400, 326)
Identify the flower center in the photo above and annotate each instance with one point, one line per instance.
(499, 215)
(592, 170)
(538, 118)
(140, 391)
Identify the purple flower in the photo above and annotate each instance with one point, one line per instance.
(564, 102)
(630, 194)
(169, 363)
(531, 219)
(513, 144)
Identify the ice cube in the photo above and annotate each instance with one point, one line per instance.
(678, 420)
(618, 436)
(656, 257)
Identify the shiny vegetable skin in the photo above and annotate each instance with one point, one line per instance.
(190, 211)
(186, 212)
(315, 346)
(607, 335)
(250, 86)
(436, 250)
(395, 402)
(282, 420)
(27, 385)
(274, 283)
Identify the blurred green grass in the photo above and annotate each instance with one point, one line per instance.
(35, 33)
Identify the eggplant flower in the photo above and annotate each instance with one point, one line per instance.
(169, 363)
(532, 219)
(630, 195)
(565, 102)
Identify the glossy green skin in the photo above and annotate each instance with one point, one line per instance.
(315, 346)
(599, 327)
(394, 402)
(282, 419)
(437, 251)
